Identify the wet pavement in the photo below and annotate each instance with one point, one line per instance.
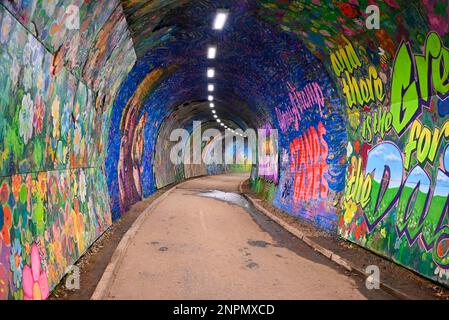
(206, 241)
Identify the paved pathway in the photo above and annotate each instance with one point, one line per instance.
(196, 247)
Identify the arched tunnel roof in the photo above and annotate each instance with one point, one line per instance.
(91, 92)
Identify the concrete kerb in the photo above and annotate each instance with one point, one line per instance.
(315, 246)
(103, 286)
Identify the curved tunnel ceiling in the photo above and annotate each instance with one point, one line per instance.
(255, 67)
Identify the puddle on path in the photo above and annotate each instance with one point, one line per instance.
(231, 197)
(282, 238)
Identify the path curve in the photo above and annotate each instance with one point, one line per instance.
(191, 246)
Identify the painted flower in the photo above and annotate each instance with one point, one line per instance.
(26, 118)
(39, 114)
(34, 279)
(27, 77)
(4, 192)
(354, 117)
(6, 217)
(6, 28)
(55, 115)
(15, 261)
(16, 186)
(14, 72)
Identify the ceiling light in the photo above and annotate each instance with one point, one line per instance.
(210, 72)
(210, 98)
(218, 120)
(213, 111)
(220, 19)
(222, 124)
(211, 52)
(210, 87)
(211, 105)
(215, 116)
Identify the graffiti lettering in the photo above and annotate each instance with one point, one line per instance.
(345, 59)
(421, 209)
(309, 153)
(377, 123)
(364, 90)
(424, 142)
(311, 95)
(358, 187)
(411, 85)
(357, 91)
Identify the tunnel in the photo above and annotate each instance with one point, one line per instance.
(350, 96)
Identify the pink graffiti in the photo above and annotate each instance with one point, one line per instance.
(311, 95)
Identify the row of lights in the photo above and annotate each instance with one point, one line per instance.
(219, 22)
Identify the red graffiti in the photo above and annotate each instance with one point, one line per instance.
(309, 153)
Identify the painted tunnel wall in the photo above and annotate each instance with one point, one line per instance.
(86, 111)
(57, 83)
(393, 83)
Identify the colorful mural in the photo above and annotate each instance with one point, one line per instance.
(53, 127)
(396, 191)
(91, 90)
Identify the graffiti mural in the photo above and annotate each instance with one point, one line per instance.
(397, 190)
(309, 153)
(91, 90)
(54, 198)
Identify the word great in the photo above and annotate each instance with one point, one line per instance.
(415, 78)
(309, 153)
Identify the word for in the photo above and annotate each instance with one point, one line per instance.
(377, 123)
(424, 142)
(309, 153)
(310, 96)
(414, 79)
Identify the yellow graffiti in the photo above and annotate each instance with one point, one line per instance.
(345, 59)
(364, 90)
(424, 142)
(358, 187)
(357, 91)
